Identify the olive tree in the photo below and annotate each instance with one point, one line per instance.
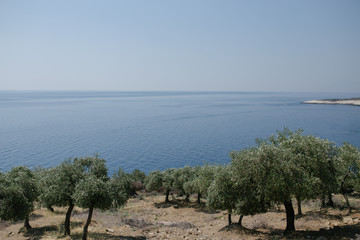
(298, 166)
(221, 193)
(168, 181)
(13, 204)
(183, 178)
(58, 187)
(349, 170)
(318, 157)
(315, 157)
(137, 180)
(19, 190)
(121, 188)
(156, 180)
(249, 176)
(286, 165)
(203, 178)
(153, 181)
(92, 192)
(59, 183)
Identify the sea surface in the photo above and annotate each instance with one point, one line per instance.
(158, 130)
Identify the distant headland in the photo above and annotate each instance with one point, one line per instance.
(348, 101)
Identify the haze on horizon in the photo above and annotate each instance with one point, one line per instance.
(186, 45)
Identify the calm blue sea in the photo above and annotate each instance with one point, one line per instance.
(158, 130)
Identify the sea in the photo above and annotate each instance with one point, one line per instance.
(158, 130)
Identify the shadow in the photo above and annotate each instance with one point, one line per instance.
(35, 216)
(107, 236)
(343, 232)
(166, 204)
(338, 232)
(355, 195)
(41, 232)
(73, 224)
(38, 232)
(315, 215)
(240, 229)
(57, 212)
(4, 224)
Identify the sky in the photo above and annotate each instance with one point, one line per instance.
(187, 45)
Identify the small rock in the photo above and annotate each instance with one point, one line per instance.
(10, 233)
(355, 220)
(347, 220)
(110, 230)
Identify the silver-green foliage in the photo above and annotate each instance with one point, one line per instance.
(18, 191)
(13, 204)
(93, 192)
(120, 186)
(221, 193)
(153, 181)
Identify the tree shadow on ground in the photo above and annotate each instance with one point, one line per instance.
(165, 204)
(338, 232)
(36, 233)
(316, 215)
(73, 224)
(355, 195)
(35, 216)
(107, 236)
(234, 227)
(4, 224)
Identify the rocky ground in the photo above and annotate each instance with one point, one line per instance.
(148, 217)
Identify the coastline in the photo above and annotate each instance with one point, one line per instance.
(350, 101)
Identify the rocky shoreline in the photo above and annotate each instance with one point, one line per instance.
(349, 101)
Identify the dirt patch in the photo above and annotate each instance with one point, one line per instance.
(139, 223)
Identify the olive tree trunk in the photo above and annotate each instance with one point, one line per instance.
(299, 206)
(323, 202)
(331, 202)
(86, 226)
(187, 198)
(343, 191)
(347, 202)
(67, 218)
(240, 220)
(229, 217)
(26, 223)
(167, 195)
(199, 198)
(290, 216)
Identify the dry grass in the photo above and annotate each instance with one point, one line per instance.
(148, 217)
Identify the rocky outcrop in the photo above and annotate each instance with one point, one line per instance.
(350, 101)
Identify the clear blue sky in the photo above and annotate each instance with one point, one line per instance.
(187, 45)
